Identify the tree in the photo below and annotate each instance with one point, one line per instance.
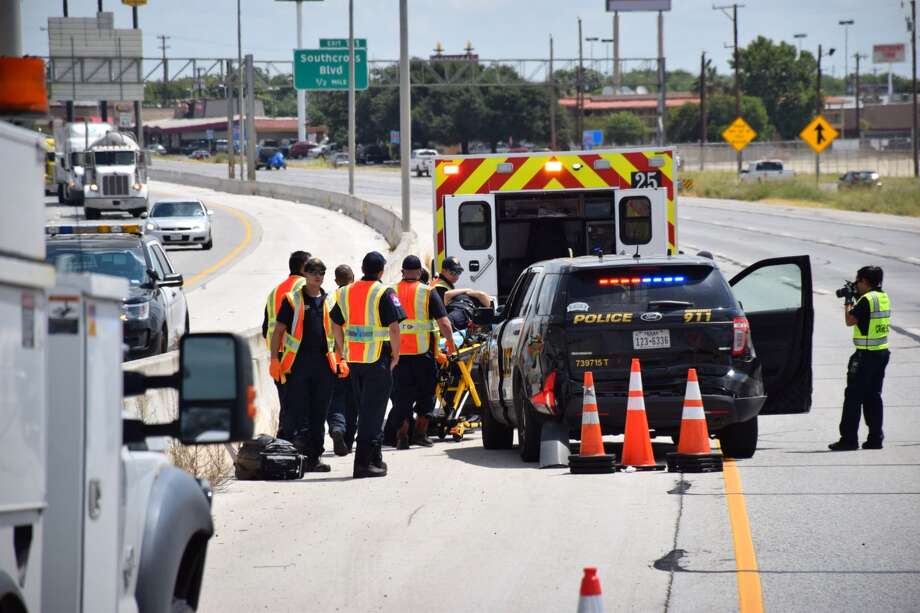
(566, 81)
(625, 128)
(683, 123)
(783, 79)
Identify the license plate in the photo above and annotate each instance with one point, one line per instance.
(651, 339)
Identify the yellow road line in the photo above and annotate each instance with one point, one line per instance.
(247, 238)
(750, 596)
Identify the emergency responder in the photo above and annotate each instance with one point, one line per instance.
(294, 282)
(343, 417)
(366, 324)
(460, 302)
(869, 319)
(415, 377)
(301, 338)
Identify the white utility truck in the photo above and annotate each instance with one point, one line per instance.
(115, 176)
(92, 521)
(759, 171)
(71, 140)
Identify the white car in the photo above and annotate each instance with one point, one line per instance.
(765, 170)
(186, 222)
(421, 162)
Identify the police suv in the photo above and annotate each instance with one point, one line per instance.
(748, 338)
(155, 311)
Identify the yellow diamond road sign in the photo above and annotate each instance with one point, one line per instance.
(739, 134)
(819, 134)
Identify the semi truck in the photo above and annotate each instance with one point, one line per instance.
(115, 176)
(91, 519)
(71, 140)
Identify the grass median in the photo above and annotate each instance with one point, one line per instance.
(897, 196)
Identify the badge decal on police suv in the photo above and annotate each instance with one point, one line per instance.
(576, 306)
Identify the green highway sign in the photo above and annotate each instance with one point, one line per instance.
(341, 43)
(327, 69)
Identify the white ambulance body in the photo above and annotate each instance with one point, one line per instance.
(500, 213)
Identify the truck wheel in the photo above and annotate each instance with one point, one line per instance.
(739, 440)
(529, 427)
(92, 213)
(164, 341)
(137, 212)
(181, 606)
(60, 193)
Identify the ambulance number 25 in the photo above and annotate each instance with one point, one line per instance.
(646, 179)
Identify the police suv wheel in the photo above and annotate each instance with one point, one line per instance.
(529, 427)
(495, 435)
(739, 440)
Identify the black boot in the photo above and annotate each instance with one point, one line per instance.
(377, 457)
(315, 465)
(363, 467)
(338, 443)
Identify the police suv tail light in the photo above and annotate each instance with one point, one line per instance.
(545, 399)
(741, 330)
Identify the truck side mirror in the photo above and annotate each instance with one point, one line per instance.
(172, 280)
(216, 395)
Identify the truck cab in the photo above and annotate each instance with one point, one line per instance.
(115, 176)
(71, 140)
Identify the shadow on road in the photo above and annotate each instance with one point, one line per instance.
(510, 458)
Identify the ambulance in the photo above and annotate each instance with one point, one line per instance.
(500, 213)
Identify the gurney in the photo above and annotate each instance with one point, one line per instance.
(454, 414)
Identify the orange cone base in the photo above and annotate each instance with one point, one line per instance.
(642, 467)
(694, 463)
(592, 464)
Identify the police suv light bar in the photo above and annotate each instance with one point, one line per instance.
(54, 230)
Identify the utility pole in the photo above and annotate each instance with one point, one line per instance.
(856, 91)
(163, 38)
(662, 86)
(301, 93)
(913, 59)
(819, 106)
(737, 61)
(68, 106)
(552, 99)
(250, 119)
(239, 82)
(351, 97)
(580, 90)
(616, 52)
(103, 104)
(405, 112)
(703, 111)
(228, 96)
(138, 120)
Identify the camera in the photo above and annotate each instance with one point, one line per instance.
(848, 292)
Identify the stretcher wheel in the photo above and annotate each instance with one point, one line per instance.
(457, 436)
(442, 432)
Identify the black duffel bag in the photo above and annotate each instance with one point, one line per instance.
(266, 458)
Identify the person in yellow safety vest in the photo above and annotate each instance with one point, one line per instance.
(301, 338)
(415, 378)
(342, 417)
(273, 303)
(870, 319)
(365, 320)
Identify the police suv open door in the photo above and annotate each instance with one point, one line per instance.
(470, 236)
(641, 217)
(776, 296)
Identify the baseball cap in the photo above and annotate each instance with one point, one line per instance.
(452, 264)
(373, 263)
(411, 262)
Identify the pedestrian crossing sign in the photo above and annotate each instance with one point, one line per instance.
(819, 134)
(739, 134)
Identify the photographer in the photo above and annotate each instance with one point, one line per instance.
(869, 319)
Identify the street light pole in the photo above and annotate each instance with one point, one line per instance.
(138, 121)
(799, 38)
(351, 97)
(846, 23)
(737, 61)
(239, 83)
(301, 93)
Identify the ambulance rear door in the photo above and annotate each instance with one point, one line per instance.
(642, 221)
(469, 231)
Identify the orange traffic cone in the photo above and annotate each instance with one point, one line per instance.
(637, 444)
(591, 457)
(694, 453)
(589, 600)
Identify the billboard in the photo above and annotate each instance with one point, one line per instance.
(888, 54)
(638, 5)
(90, 60)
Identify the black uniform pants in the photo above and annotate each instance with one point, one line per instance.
(343, 415)
(307, 394)
(865, 374)
(372, 383)
(282, 414)
(414, 381)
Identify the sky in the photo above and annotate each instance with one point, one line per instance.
(498, 29)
